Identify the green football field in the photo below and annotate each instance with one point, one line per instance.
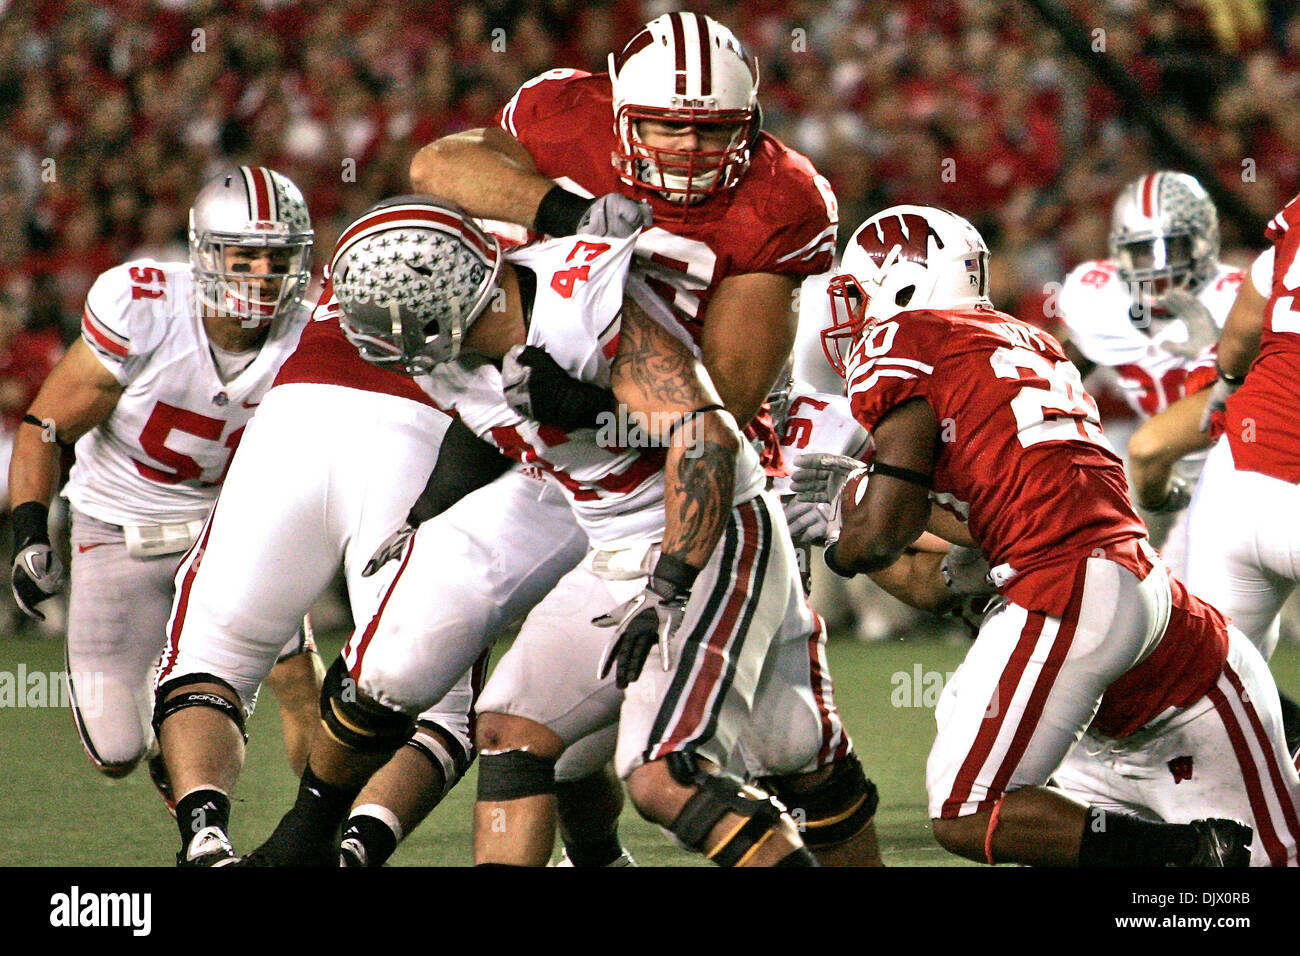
(56, 810)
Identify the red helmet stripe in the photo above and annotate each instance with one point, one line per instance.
(1148, 195)
(706, 57)
(634, 46)
(679, 51)
(259, 194)
(416, 215)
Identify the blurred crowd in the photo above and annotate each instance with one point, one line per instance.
(114, 113)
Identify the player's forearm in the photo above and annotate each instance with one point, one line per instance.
(700, 483)
(34, 468)
(483, 174)
(1157, 446)
(1239, 341)
(944, 524)
(914, 579)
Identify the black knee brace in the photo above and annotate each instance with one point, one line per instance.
(164, 705)
(356, 721)
(717, 795)
(513, 775)
(833, 811)
(440, 747)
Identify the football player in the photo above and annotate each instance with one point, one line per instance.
(172, 360)
(982, 415)
(1152, 312)
(739, 218)
(690, 482)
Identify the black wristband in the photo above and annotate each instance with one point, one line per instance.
(828, 556)
(902, 474)
(31, 521)
(1233, 380)
(674, 574)
(559, 212)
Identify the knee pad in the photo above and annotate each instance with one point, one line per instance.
(833, 811)
(513, 775)
(718, 794)
(165, 705)
(357, 722)
(440, 747)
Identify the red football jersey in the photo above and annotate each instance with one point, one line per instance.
(1262, 427)
(324, 356)
(781, 217)
(1021, 456)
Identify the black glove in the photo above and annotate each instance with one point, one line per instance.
(562, 213)
(650, 618)
(37, 570)
(537, 387)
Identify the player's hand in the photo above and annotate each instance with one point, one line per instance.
(820, 479)
(1218, 402)
(965, 572)
(394, 546)
(1201, 330)
(650, 618)
(537, 387)
(37, 576)
(809, 521)
(616, 215)
(1178, 498)
(971, 611)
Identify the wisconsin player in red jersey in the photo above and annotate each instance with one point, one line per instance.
(738, 217)
(981, 414)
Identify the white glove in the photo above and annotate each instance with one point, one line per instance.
(819, 479)
(615, 215)
(392, 547)
(37, 575)
(965, 572)
(1201, 330)
(808, 520)
(1218, 402)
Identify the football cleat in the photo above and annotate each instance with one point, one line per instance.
(352, 853)
(1222, 843)
(209, 847)
(162, 782)
(624, 859)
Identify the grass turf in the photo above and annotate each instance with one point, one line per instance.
(55, 810)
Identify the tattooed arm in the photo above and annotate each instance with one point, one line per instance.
(657, 376)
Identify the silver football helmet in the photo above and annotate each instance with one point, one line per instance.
(411, 276)
(1164, 236)
(251, 244)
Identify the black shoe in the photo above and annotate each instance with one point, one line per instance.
(1222, 843)
(292, 844)
(209, 847)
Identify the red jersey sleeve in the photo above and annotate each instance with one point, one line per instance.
(541, 99)
(892, 364)
(797, 209)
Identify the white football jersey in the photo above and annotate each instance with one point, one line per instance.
(614, 480)
(817, 422)
(1151, 363)
(162, 453)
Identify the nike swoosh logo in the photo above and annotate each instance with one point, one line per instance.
(83, 548)
(246, 405)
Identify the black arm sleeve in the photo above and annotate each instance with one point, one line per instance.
(561, 400)
(465, 463)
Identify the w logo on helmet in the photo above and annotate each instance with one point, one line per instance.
(905, 236)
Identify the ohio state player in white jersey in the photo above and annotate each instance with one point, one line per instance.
(1152, 312)
(172, 361)
(581, 333)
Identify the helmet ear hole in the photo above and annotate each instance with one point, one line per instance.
(904, 295)
(432, 328)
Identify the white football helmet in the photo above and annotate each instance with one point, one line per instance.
(251, 207)
(411, 276)
(902, 259)
(1164, 236)
(684, 68)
